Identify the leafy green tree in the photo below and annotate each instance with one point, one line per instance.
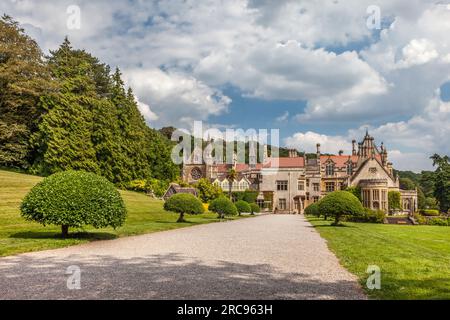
(73, 199)
(313, 210)
(208, 191)
(356, 191)
(254, 208)
(431, 203)
(338, 204)
(223, 207)
(407, 184)
(394, 198)
(427, 183)
(24, 77)
(243, 207)
(231, 177)
(184, 203)
(442, 181)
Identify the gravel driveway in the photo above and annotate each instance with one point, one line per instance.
(268, 257)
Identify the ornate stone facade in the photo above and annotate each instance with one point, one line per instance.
(289, 185)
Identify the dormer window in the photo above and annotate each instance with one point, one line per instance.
(329, 169)
(349, 169)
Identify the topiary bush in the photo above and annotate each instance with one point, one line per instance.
(338, 204)
(254, 208)
(73, 199)
(223, 207)
(184, 203)
(429, 212)
(313, 210)
(243, 207)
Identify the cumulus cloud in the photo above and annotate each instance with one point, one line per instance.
(308, 142)
(179, 55)
(176, 98)
(417, 52)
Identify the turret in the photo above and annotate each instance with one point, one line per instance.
(354, 147)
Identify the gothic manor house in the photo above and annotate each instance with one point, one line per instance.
(289, 185)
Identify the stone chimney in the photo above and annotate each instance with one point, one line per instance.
(293, 153)
(354, 147)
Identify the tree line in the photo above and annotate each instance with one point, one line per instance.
(433, 186)
(69, 111)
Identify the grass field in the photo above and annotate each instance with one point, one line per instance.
(414, 260)
(145, 215)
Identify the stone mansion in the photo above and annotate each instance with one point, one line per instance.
(290, 184)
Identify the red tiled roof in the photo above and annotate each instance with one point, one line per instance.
(297, 162)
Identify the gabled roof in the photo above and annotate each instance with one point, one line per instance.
(339, 161)
(175, 189)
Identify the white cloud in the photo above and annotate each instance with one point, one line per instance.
(176, 98)
(145, 110)
(178, 55)
(308, 142)
(417, 52)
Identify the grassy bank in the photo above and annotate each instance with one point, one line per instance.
(145, 215)
(414, 260)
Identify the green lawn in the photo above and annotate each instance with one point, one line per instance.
(414, 260)
(145, 215)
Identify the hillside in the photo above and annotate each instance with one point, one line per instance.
(145, 215)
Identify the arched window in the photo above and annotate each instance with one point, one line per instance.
(329, 169)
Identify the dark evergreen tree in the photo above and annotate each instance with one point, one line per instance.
(24, 77)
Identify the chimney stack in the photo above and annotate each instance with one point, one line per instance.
(354, 147)
(293, 153)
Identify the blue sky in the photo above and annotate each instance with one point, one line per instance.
(314, 69)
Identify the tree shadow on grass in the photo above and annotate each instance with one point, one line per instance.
(331, 226)
(91, 236)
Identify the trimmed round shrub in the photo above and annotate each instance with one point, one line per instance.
(254, 208)
(243, 207)
(223, 207)
(313, 210)
(184, 203)
(429, 212)
(73, 199)
(339, 204)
